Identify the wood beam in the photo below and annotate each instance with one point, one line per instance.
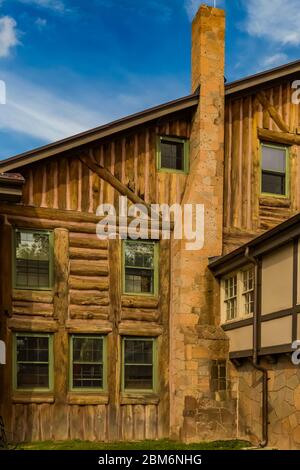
(94, 166)
(90, 161)
(278, 137)
(272, 112)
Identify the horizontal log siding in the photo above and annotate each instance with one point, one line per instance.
(36, 416)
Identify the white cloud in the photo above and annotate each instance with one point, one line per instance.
(8, 35)
(41, 22)
(57, 5)
(276, 20)
(38, 113)
(276, 59)
(192, 6)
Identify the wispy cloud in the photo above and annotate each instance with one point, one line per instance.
(276, 20)
(278, 58)
(56, 5)
(41, 22)
(8, 35)
(47, 115)
(38, 113)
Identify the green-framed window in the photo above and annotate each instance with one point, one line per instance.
(87, 362)
(33, 259)
(139, 359)
(172, 154)
(33, 362)
(140, 267)
(274, 170)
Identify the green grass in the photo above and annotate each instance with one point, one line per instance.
(143, 445)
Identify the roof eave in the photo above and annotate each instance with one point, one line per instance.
(268, 241)
(78, 140)
(248, 83)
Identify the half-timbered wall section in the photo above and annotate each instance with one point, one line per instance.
(268, 328)
(248, 122)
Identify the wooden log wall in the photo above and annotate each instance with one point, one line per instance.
(87, 299)
(246, 213)
(66, 183)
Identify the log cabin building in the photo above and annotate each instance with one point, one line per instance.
(129, 340)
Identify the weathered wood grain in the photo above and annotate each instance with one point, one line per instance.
(88, 283)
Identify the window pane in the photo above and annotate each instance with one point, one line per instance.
(138, 364)
(87, 376)
(218, 376)
(32, 357)
(273, 159)
(249, 303)
(273, 183)
(87, 349)
(138, 351)
(139, 267)
(87, 366)
(172, 155)
(32, 259)
(248, 280)
(32, 349)
(138, 377)
(231, 309)
(138, 281)
(230, 287)
(139, 254)
(32, 376)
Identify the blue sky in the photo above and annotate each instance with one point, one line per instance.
(70, 65)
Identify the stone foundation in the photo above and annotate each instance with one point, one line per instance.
(210, 409)
(284, 402)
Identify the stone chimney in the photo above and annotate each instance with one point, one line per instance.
(196, 341)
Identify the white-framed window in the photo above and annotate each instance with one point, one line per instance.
(237, 299)
(248, 291)
(230, 299)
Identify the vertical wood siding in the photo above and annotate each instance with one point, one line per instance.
(246, 213)
(65, 183)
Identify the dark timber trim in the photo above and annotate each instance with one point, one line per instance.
(259, 296)
(280, 349)
(237, 324)
(268, 241)
(275, 315)
(70, 143)
(264, 318)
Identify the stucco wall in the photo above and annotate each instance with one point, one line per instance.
(277, 280)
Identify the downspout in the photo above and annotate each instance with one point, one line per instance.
(263, 370)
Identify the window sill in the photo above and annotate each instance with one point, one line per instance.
(237, 323)
(139, 398)
(81, 398)
(136, 295)
(32, 289)
(32, 397)
(172, 171)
